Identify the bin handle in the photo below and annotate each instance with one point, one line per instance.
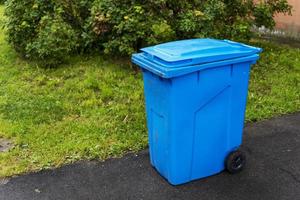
(243, 45)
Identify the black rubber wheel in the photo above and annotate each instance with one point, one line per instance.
(235, 162)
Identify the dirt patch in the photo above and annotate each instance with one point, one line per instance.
(5, 145)
(3, 181)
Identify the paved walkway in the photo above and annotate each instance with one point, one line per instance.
(273, 172)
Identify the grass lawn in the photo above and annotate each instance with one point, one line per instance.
(93, 107)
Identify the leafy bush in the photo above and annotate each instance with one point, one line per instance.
(50, 30)
(54, 40)
(46, 30)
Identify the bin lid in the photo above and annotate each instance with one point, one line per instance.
(196, 51)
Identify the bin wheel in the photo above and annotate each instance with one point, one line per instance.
(235, 162)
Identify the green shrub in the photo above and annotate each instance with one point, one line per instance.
(50, 30)
(44, 30)
(54, 40)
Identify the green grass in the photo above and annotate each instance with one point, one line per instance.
(275, 82)
(93, 107)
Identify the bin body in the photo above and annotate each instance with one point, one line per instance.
(195, 119)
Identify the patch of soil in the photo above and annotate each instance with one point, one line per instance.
(5, 145)
(3, 181)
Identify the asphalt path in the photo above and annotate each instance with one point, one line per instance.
(272, 172)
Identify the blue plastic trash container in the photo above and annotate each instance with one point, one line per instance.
(196, 92)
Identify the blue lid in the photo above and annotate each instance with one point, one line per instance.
(196, 51)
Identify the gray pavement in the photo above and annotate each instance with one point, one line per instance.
(273, 172)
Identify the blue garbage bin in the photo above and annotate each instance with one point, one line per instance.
(196, 92)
